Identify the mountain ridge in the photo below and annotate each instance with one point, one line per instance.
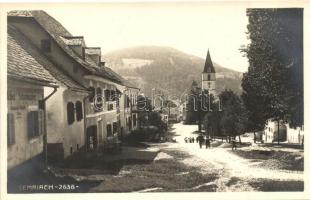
(166, 69)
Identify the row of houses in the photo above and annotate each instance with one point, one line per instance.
(62, 99)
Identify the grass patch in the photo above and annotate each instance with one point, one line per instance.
(267, 185)
(275, 159)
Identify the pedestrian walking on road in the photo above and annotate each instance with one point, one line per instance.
(234, 144)
(208, 144)
(197, 139)
(185, 139)
(200, 139)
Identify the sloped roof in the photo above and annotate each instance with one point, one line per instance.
(58, 32)
(119, 77)
(22, 65)
(208, 64)
(24, 59)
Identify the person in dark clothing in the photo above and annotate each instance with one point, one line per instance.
(208, 145)
(234, 144)
(200, 139)
(197, 139)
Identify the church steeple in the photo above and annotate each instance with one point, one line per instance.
(208, 64)
(208, 76)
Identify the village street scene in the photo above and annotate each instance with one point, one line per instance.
(122, 108)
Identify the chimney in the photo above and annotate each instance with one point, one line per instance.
(93, 53)
(76, 43)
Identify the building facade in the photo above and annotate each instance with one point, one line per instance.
(77, 119)
(272, 132)
(27, 78)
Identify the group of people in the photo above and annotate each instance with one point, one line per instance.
(189, 140)
(199, 139)
(207, 141)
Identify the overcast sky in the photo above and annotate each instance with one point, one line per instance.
(192, 28)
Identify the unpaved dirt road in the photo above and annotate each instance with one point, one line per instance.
(232, 168)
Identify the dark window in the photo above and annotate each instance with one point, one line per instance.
(79, 111)
(110, 106)
(134, 117)
(113, 95)
(92, 95)
(209, 77)
(107, 94)
(70, 113)
(46, 45)
(115, 127)
(109, 130)
(127, 101)
(11, 128)
(35, 123)
(130, 123)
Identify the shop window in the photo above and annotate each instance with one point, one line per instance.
(109, 130)
(35, 123)
(46, 45)
(70, 113)
(11, 128)
(79, 111)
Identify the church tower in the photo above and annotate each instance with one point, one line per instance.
(208, 76)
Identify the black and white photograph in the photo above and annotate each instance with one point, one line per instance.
(154, 97)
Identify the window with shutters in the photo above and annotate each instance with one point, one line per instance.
(35, 123)
(70, 113)
(79, 111)
(46, 45)
(115, 128)
(11, 128)
(109, 130)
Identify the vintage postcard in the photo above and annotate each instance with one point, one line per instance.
(152, 99)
